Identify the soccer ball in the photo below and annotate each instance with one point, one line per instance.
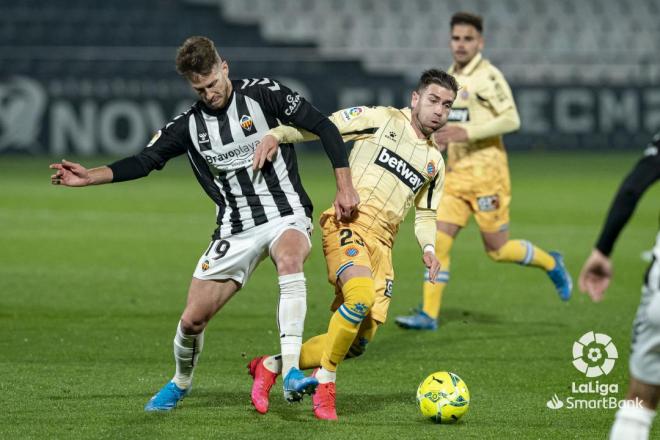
(443, 396)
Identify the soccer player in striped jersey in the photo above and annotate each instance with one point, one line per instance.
(394, 165)
(633, 421)
(258, 213)
(478, 173)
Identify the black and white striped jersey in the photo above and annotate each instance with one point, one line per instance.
(220, 146)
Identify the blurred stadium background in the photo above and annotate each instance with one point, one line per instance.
(89, 77)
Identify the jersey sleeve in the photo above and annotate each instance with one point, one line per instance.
(426, 206)
(289, 107)
(281, 102)
(496, 95)
(495, 92)
(353, 123)
(429, 196)
(645, 172)
(169, 142)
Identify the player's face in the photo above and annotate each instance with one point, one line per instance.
(466, 43)
(213, 89)
(431, 107)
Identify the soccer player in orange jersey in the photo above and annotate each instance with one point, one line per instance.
(394, 166)
(477, 181)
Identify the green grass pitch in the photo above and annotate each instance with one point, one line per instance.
(93, 280)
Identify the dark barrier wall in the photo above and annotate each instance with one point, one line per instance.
(117, 116)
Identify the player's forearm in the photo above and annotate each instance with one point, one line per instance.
(507, 122)
(100, 175)
(286, 134)
(332, 144)
(343, 178)
(129, 168)
(425, 228)
(645, 173)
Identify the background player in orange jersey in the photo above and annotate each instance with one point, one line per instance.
(477, 181)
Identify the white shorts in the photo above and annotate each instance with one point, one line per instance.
(236, 256)
(645, 356)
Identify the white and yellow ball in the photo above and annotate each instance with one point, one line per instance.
(443, 396)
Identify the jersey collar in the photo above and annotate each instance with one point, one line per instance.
(471, 66)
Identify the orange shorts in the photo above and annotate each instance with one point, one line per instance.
(349, 244)
(488, 201)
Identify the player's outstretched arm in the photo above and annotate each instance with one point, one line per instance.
(597, 271)
(596, 275)
(346, 199)
(75, 175)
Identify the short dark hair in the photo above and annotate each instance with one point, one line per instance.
(439, 77)
(468, 18)
(197, 55)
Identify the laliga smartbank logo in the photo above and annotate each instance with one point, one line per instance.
(594, 355)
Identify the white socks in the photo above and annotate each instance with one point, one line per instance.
(632, 423)
(273, 364)
(186, 352)
(325, 376)
(291, 318)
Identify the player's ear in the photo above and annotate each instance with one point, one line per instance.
(414, 99)
(224, 68)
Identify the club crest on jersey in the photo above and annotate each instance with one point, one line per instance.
(430, 168)
(396, 165)
(351, 252)
(205, 265)
(351, 113)
(246, 122)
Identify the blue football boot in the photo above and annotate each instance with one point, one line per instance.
(296, 385)
(418, 321)
(560, 277)
(167, 398)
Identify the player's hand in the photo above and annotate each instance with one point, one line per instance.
(346, 203)
(347, 199)
(439, 141)
(450, 133)
(432, 264)
(265, 151)
(70, 174)
(596, 275)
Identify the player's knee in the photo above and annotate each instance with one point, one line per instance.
(289, 263)
(193, 326)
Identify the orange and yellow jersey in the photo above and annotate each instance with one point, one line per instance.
(392, 169)
(484, 106)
